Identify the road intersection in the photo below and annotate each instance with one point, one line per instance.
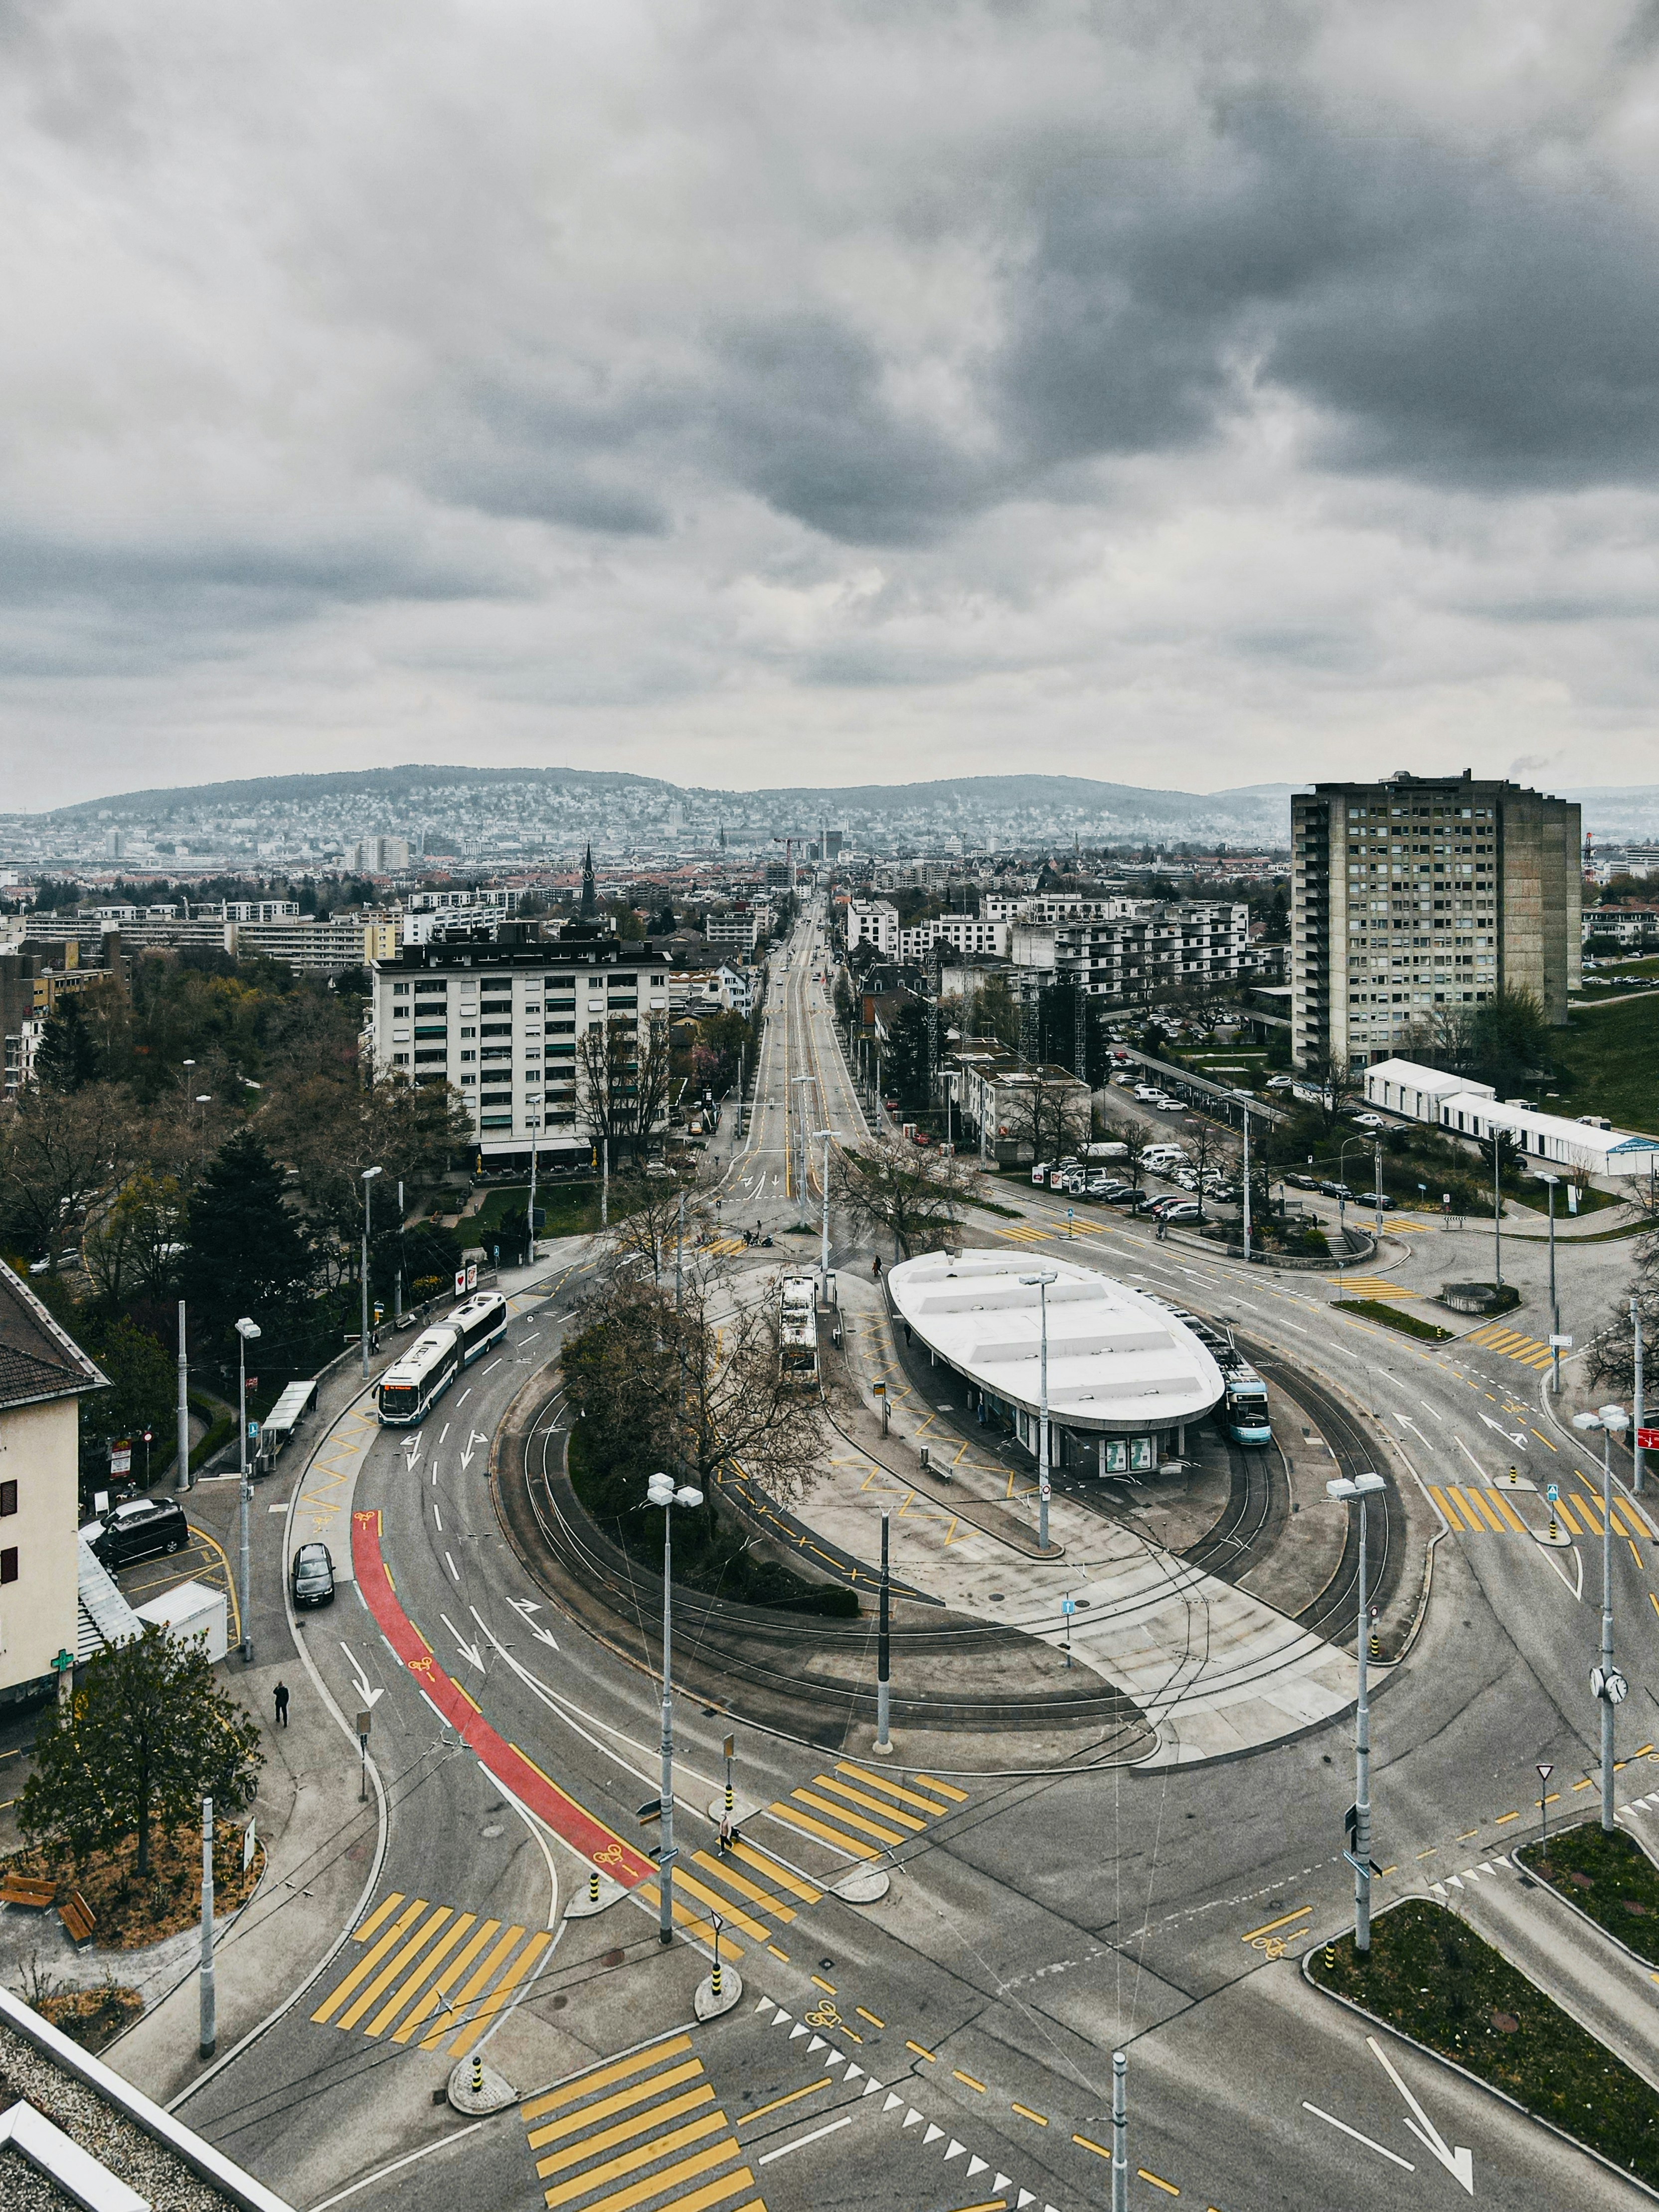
(949, 2046)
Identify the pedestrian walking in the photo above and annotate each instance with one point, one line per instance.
(723, 1841)
(282, 1705)
(906, 1332)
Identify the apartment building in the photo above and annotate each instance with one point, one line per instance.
(873, 921)
(378, 856)
(1629, 925)
(36, 975)
(738, 929)
(44, 1374)
(1145, 951)
(496, 1015)
(1425, 893)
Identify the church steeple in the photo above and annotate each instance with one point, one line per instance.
(590, 905)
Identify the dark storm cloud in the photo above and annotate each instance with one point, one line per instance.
(1455, 320)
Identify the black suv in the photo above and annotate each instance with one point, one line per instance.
(310, 1578)
(136, 1531)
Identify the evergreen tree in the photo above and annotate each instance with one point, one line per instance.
(67, 1059)
(244, 1253)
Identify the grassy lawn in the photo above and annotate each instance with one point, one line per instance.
(572, 1209)
(1610, 1877)
(1608, 1063)
(1431, 1976)
(1391, 1317)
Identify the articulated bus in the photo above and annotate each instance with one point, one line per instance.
(482, 1322)
(425, 1370)
(798, 1329)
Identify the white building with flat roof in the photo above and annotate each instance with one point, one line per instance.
(1126, 1378)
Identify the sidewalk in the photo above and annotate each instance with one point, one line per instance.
(319, 1842)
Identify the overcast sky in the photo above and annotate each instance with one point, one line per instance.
(1186, 396)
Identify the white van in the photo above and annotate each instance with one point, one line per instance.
(1157, 1157)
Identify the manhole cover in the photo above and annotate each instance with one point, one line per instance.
(1504, 2022)
(996, 1597)
(613, 1958)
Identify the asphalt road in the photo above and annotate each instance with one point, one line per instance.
(1033, 1924)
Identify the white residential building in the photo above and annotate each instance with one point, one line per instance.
(873, 921)
(498, 1021)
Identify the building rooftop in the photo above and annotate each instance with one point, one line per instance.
(38, 1360)
(1117, 1361)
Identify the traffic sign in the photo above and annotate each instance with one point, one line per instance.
(1069, 1606)
(1648, 1439)
(1552, 1491)
(1545, 1772)
(652, 1810)
(363, 1721)
(121, 1456)
(249, 1845)
(1560, 1344)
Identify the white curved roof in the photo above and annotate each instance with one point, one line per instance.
(1117, 1361)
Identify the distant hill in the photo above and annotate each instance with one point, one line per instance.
(492, 810)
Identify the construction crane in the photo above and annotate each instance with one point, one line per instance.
(789, 845)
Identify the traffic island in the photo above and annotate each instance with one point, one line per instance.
(1432, 1979)
(1392, 1316)
(1609, 1877)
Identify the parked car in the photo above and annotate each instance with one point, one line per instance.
(1123, 1194)
(1369, 1122)
(1303, 1182)
(1280, 1082)
(1183, 1209)
(1334, 1189)
(1186, 1178)
(310, 1578)
(138, 1530)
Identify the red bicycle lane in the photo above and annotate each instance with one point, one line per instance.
(572, 1823)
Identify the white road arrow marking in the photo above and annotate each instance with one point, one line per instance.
(1515, 1437)
(360, 1679)
(466, 1457)
(469, 1651)
(1342, 2124)
(1459, 2163)
(523, 1608)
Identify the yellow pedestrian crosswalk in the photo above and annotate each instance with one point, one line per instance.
(863, 1814)
(644, 2128)
(1510, 1344)
(1369, 1286)
(1474, 1511)
(428, 1968)
(1024, 1232)
(724, 1247)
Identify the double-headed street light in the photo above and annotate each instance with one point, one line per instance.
(1348, 1489)
(1040, 1282)
(1555, 1306)
(660, 1491)
(368, 1175)
(246, 1333)
(824, 1135)
(1607, 1683)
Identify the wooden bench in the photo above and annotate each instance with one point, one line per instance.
(24, 1889)
(79, 1919)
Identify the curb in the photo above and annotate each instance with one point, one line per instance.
(1452, 2065)
(1561, 1898)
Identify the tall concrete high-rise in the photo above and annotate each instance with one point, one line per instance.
(1422, 894)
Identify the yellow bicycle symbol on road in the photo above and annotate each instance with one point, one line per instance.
(1271, 1946)
(825, 2016)
(610, 1854)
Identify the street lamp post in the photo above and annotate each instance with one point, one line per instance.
(1348, 1490)
(1606, 1681)
(884, 1744)
(1246, 1112)
(1042, 1281)
(246, 1333)
(368, 1178)
(1555, 1307)
(660, 1491)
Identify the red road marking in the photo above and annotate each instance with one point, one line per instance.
(601, 1845)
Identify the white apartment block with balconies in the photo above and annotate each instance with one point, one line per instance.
(499, 1021)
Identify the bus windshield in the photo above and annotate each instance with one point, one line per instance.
(398, 1399)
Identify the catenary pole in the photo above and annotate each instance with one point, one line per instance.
(209, 2025)
(182, 1470)
(883, 1655)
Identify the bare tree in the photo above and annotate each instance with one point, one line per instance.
(1328, 1074)
(646, 1211)
(1612, 1354)
(1135, 1137)
(1048, 1109)
(62, 1157)
(914, 1197)
(697, 1386)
